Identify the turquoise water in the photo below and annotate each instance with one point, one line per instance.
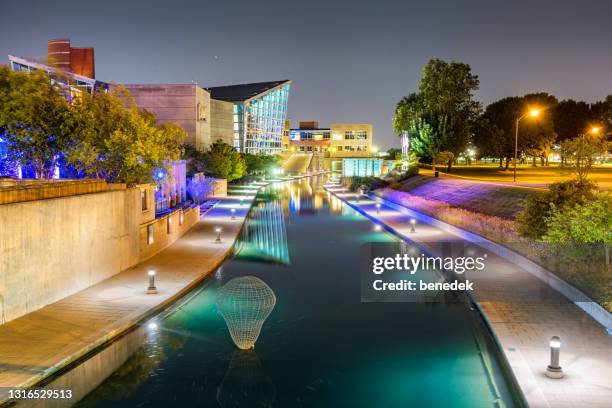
(320, 346)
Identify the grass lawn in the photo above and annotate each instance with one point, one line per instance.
(528, 175)
(486, 198)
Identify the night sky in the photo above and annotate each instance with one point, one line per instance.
(350, 61)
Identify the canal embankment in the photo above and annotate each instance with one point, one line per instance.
(522, 320)
(43, 343)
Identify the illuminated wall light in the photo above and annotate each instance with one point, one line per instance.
(150, 234)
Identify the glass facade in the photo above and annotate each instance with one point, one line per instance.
(259, 122)
(362, 167)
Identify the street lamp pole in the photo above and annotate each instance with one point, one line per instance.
(516, 146)
(533, 113)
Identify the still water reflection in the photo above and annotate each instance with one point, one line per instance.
(320, 346)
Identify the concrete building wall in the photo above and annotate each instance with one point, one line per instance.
(187, 106)
(52, 248)
(339, 141)
(222, 121)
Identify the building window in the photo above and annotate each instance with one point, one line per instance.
(144, 205)
(339, 148)
(349, 135)
(362, 134)
(150, 234)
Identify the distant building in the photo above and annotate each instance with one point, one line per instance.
(342, 147)
(286, 146)
(259, 113)
(186, 105)
(250, 117)
(79, 61)
(73, 69)
(339, 140)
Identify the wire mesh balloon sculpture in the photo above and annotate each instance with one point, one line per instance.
(245, 303)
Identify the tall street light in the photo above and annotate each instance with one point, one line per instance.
(532, 113)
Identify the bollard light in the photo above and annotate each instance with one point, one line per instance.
(412, 225)
(151, 289)
(377, 227)
(554, 370)
(233, 213)
(377, 208)
(241, 201)
(218, 231)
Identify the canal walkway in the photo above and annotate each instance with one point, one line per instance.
(522, 319)
(36, 345)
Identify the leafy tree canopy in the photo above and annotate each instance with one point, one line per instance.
(445, 103)
(37, 121)
(223, 161)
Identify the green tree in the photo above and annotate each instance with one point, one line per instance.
(532, 222)
(490, 140)
(537, 135)
(195, 160)
(589, 222)
(223, 161)
(445, 102)
(423, 141)
(36, 119)
(257, 164)
(572, 118)
(495, 135)
(120, 143)
(581, 152)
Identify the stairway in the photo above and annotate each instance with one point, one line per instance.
(297, 163)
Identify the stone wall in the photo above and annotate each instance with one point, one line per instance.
(52, 248)
(15, 191)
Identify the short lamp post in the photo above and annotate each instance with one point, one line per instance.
(233, 213)
(412, 225)
(218, 231)
(554, 369)
(378, 208)
(151, 289)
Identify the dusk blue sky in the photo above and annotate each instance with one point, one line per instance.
(350, 61)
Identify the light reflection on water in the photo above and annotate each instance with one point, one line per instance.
(320, 346)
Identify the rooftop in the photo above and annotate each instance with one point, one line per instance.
(242, 92)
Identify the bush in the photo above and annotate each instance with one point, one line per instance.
(531, 222)
(590, 222)
(368, 183)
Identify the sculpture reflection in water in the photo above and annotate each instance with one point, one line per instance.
(245, 303)
(245, 383)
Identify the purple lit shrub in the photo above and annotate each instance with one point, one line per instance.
(200, 188)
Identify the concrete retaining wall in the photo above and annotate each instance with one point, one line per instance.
(53, 248)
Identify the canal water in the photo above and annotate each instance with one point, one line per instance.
(320, 346)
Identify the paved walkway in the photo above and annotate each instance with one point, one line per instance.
(523, 322)
(39, 343)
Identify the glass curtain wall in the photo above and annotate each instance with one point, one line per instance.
(260, 122)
